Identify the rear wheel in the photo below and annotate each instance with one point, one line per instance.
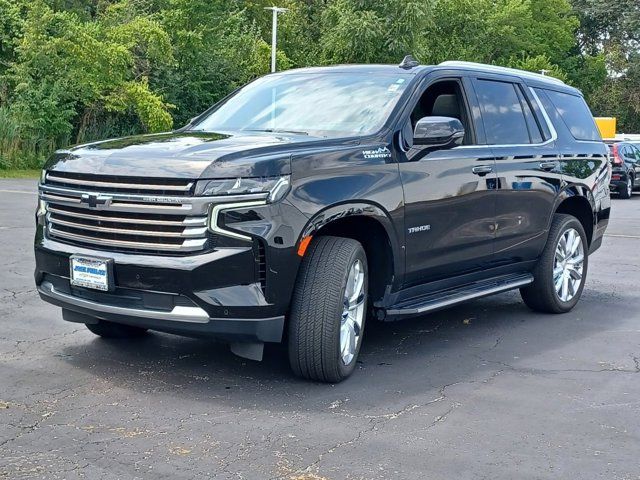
(627, 190)
(328, 310)
(107, 329)
(560, 273)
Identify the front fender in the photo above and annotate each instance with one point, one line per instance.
(335, 213)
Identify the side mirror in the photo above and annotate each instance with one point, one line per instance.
(443, 132)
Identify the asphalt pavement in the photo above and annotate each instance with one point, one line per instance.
(486, 390)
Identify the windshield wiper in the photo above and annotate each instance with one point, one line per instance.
(277, 130)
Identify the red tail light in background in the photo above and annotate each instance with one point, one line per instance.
(617, 159)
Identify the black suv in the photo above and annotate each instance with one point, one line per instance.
(311, 200)
(625, 162)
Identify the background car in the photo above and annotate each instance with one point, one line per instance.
(636, 167)
(625, 163)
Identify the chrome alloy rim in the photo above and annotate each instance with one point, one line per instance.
(629, 187)
(568, 265)
(352, 313)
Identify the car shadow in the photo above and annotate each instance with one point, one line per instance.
(460, 344)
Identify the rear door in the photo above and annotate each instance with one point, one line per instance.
(527, 167)
(629, 155)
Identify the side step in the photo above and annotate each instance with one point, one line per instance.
(446, 298)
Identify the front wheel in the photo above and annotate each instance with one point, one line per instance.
(561, 271)
(328, 310)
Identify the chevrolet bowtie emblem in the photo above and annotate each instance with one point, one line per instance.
(95, 201)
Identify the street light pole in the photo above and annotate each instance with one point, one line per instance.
(274, 34)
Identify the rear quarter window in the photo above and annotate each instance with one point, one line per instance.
(575, 114)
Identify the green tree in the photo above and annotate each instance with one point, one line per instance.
(610, 31)
(68, 73)
(78, 70)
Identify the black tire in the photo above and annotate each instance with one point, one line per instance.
(115, 330)
(317, 306)
(626, 191)
(541, 295)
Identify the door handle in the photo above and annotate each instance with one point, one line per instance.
(548, 165)
(482, 170)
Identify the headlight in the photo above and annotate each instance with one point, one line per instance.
(275, 187)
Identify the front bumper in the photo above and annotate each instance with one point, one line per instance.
(181, 320)
(215, 294)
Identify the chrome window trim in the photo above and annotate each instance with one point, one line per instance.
(545, 116)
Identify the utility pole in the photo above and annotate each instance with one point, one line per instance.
(274, 34)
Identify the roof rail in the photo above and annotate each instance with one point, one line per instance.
(506, 70)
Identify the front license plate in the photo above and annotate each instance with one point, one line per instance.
(91, 273)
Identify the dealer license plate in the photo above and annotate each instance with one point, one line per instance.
(90, 273)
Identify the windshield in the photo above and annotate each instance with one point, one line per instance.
(326, 105)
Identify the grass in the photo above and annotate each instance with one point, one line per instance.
(20, 173)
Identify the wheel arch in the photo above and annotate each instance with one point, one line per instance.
(577, 201)
(370, 225)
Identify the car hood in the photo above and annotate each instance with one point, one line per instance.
(186, 154)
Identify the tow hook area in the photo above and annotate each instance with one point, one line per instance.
(250, 351)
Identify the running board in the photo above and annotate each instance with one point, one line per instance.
(447, 298)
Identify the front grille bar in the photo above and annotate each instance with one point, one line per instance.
(186, 233)
(161, 204)
(191, 245)
(120, 185)
(188, 221)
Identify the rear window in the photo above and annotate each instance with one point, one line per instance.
(575, 115)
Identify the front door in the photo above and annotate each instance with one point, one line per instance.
(449, 194)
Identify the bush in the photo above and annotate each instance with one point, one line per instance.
(16, 151)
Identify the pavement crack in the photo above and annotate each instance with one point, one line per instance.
(415, 334)
(377, 421)
(542, 371)
(636, 361)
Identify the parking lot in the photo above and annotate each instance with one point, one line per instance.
(484, 390)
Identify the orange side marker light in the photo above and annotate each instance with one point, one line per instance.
(304, 243)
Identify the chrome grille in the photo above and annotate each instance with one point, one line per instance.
(118, 184)
(126, 214)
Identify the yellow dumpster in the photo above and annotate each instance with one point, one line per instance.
(607, 126)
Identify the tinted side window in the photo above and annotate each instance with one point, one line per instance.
(631, 152)
(576, 115)
(532, 124)
(502, 113)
